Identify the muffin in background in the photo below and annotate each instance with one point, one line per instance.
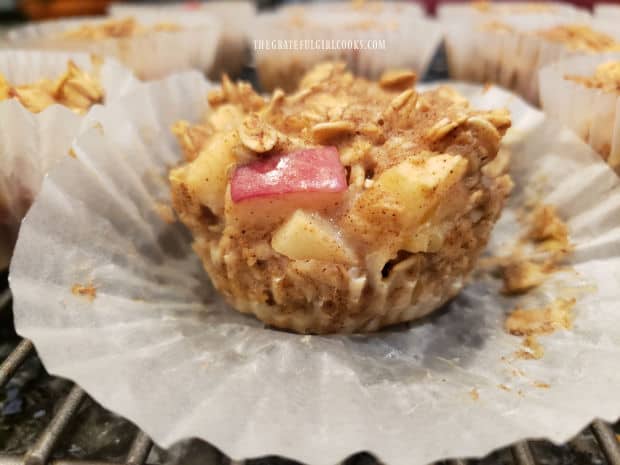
(511, 51)
(235, 18)
(151, 48)
(584, 94)
(44, 97)
(75, 89)
(370, 38)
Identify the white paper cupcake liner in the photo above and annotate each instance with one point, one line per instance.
(150, 56)
(608, 25)
(157, 345)
(606, 11)
(31, 143)
(593, 114)
(511, 59)
(398, 42)
(234, 17)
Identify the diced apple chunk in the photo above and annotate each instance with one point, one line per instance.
(265, 213)
(428, 238)
(405, 196)
(315, 170)
(420, 185)
(306, 236)
(207, 175)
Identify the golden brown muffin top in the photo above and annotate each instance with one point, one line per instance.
(375, 126)
(580, 37)
(116, 29)
(606, 77)
(75, 89)
(332, 107)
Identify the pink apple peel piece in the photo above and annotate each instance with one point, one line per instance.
(307, 170)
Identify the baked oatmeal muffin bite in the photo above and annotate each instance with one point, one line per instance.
(345, 206)
(584, 94)
(530, 42)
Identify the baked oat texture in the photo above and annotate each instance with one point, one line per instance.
(75, 89)
(117, 29)
(606, 77)
(420, 202)
(580, 37)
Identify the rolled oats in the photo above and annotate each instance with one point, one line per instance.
(401, 99)
(397, 79)
(441, 129)
(483, 124)
(323, 132)
(257, 135)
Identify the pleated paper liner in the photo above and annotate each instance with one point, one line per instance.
(114, 298)
(592, 113)
(31, 143)
(152, 55)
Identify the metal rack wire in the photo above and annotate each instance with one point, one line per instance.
(40, 452)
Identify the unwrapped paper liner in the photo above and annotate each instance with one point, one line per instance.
(235, 19)
(288, 43)
(509, 58)
(31, 143)
(591, 113)
(114, 299)
(152, 55)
